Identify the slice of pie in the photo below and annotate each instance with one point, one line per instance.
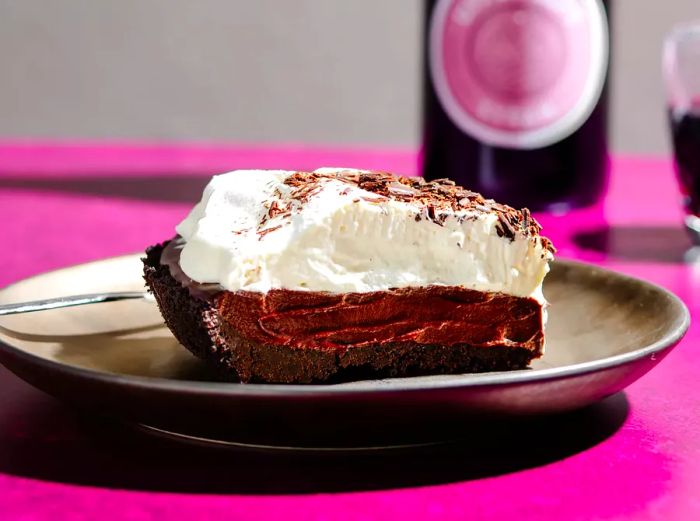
(336, 274)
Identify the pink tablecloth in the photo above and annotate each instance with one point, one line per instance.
(62, 205)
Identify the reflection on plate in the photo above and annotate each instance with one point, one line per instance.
(605, 330)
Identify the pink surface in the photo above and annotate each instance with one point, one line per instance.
(56, 209)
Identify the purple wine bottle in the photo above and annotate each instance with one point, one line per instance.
(515, 99)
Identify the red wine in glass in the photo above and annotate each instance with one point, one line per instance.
(681, 65)
(685, 128)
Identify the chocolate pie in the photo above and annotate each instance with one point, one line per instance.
(337, 274)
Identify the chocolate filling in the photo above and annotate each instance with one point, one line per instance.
(302, 337)
(444, 315)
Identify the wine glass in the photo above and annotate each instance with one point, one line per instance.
(681, 64)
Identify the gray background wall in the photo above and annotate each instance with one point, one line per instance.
(322, 71)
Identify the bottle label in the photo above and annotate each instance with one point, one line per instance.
(518, 73)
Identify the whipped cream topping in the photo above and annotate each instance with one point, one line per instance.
(255, 230)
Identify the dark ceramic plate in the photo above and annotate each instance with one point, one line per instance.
(605, 330)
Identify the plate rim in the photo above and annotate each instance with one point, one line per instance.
(388, 385)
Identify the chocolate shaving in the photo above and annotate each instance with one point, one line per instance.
(547, 244)
(506, 228)
(525, 224)
(373, 200)
(262, 233)
(275, 210)
(401, 190)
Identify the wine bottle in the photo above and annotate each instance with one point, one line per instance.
(515, 99)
